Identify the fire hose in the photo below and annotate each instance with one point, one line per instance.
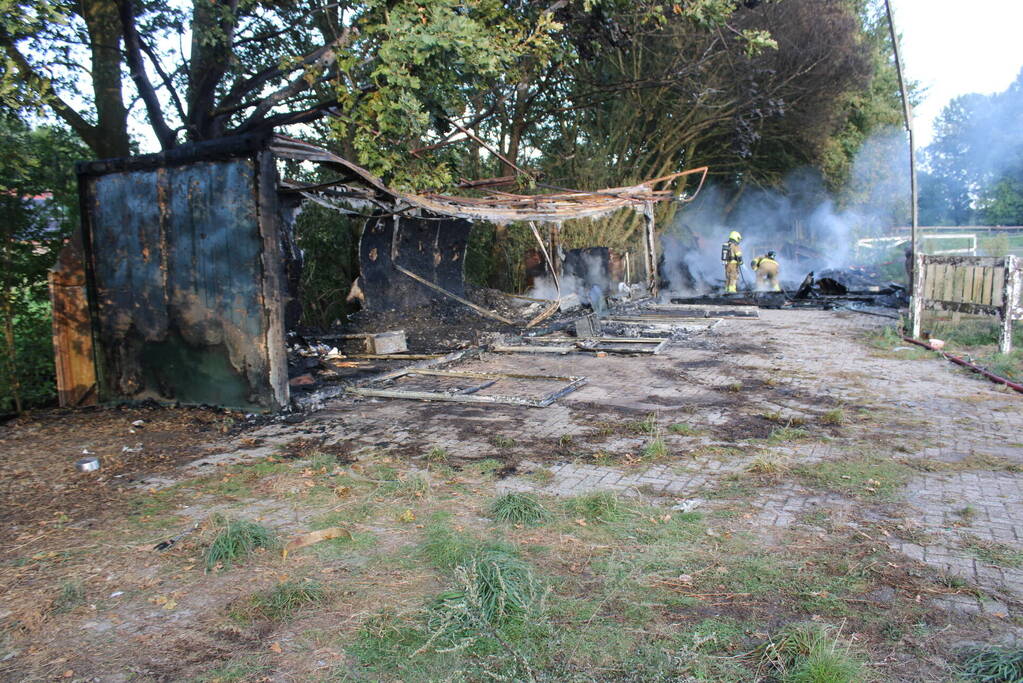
(997, 379)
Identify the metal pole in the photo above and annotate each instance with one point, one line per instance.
(908, 114)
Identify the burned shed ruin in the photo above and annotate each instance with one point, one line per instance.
(189, 266)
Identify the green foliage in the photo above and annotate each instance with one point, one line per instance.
(281, 602)
(236, 540)
(330, 242)
(992, 665)
(519, 508)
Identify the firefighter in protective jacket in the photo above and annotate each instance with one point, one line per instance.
(731, 256)
(766, 268)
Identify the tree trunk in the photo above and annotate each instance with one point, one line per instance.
(111, 138)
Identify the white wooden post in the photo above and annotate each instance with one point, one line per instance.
(651, 247)
(916, 302)
(1010, 302)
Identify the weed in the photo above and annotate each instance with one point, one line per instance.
(70, 596)
(280, 603)
(236, 540)
(734, 387)
(318, 461)
(835, 416)
(812, 653)
(519, 508)
(993, 664)
(446, 548)
(600, 506)
(655, 449)
(436, 455)
(683, 429)
(565, 440)
(768, 462)
(503, 441)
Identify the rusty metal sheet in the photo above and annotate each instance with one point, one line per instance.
(179, 277)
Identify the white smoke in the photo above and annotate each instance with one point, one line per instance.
(808, 228)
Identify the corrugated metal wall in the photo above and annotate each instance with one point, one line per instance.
(186, 282)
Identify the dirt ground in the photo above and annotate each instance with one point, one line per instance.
(793, 469)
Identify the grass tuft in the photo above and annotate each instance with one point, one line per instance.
(237, 539)
(835, 416)
(683, 429)
(993, 665)
(519, 508)
(436, 455)
(413, 487)
(768, 463)
(280, 603)
(70, 596)
(812, 653)
(492, 588)
(600, 506)
(655, 449)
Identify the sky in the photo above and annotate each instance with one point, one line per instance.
(952, 48)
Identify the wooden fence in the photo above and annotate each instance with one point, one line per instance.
(974, 285)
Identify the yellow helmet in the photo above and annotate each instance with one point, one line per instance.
(735, 236)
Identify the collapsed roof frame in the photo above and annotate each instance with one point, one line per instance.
(360, 188)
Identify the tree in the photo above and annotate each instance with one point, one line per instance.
(385, 70)
(974, 158)
(38, 206)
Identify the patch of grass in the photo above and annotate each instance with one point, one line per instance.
(647, 425)
(236, 540)
(412, 487)
(565, 440)
(70, 595)
(486, 466)
(768, 462)
(519, 508)
(992, 552)
(835, 416)
(280, 603)
(445, 547)
(436, 455)
(683, 429)
(239, 669)
(812, 653)
(541, 475)
(974, 461)
(870, 475)
(783, 434)
(655, 449)
(502, 441)
(734, 387)
(992, 664)
(967, 514)
(491, 588)
(600, 506)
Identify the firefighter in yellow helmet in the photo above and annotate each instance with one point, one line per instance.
(731, 256)
(766, 268)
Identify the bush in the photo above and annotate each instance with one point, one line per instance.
(33, 348)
